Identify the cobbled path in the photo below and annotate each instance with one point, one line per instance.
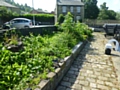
(92, 69)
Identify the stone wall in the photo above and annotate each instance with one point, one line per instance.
(38, 30)
(35, 30)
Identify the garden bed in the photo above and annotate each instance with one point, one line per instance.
(39, 59)
(55, 77)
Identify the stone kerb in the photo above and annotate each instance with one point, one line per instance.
(56, 77)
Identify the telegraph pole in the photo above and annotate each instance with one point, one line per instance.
(33, 12)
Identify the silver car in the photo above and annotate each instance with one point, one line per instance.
(20, 23)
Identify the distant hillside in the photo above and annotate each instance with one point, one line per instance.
(24, 8)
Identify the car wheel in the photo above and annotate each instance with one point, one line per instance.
(26, 26)
(108, 51)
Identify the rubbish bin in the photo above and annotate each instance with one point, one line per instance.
(110, 28)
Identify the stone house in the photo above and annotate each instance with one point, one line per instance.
(39, 12)
(9, 6)
(76, 7)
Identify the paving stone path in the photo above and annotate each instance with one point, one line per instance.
(92, 69)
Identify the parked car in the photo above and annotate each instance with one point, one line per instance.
(6, 25)
(18, 23)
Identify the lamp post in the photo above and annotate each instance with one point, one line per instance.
(33, 13)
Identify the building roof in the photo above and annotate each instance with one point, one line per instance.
(70, 2)
(40, 11)
(3, 3)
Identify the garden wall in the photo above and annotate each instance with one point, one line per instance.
(35, 30)
(38, 30)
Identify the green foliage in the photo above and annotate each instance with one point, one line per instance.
(105, 13)
(68, 24)
(20, 65)
(112, 14)
(78, 30)
(11, 37)
(118, 15)
(91, 9)
(26, 68)
(34, 61)
(61, 18)
(22, 7)
(60, 40)
(103, 6)
(82, 31)
(40, 17)
(4, 13)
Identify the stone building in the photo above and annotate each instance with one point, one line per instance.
(76, 7)
(9, 6)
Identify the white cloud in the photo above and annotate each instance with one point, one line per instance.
(43, 4)
(116, 2)
(112, 4)
(50, 4)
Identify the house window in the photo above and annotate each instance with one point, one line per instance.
(78, 9)
(64, 9)
(9, 9)
(71, 9)
(78, 18)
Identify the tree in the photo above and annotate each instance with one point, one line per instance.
(22, 7)
(61, 18)
(4, 13)
(112, 14)
(118, 15)
(68, 24)
(103, 6)
(105, 13)
(91, 9)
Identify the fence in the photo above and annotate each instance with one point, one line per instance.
(99, 23)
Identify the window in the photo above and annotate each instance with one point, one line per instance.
(26, 21)
(64, 9)
(19, 21)
(78, 9)
(71, 9)
(78, 18)
(16, 21)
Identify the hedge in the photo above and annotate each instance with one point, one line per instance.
(38, 17)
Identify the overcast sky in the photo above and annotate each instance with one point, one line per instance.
(49, 5)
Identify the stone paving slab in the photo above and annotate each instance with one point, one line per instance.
(92, 69)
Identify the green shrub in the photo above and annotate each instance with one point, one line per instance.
(61, 18)
(78, 30)
(38, 17)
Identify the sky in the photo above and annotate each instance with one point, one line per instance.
(49, 5)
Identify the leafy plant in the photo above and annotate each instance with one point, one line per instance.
(11, 37)
(61, 18)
